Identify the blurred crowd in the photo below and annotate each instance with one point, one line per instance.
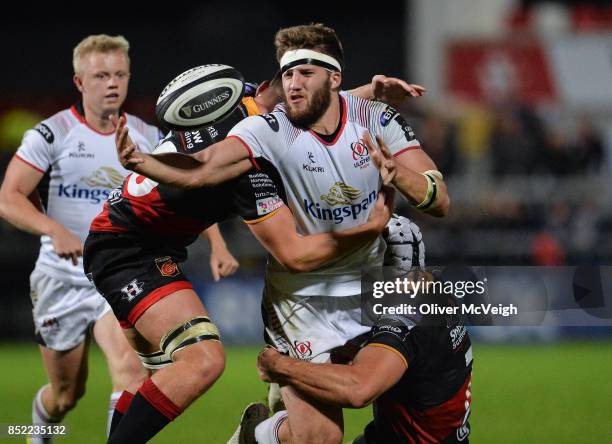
(527, 185)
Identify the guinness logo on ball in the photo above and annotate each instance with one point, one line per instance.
(205, 103)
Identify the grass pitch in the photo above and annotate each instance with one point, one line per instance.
(521, 394)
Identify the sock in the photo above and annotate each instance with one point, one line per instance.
(149, 412)
(266, 432)
(119, 403)
(41, 416)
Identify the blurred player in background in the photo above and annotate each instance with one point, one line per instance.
(70, 159)
(311, 314)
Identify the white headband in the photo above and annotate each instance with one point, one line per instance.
(298, 57)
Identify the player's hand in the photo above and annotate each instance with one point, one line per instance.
(382, 158)
(394, 91)
(66, 244)
(127, 151)
(265, 363)
(222, 263)
(383, 209)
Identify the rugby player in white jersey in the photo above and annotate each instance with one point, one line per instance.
(70, 157)
(321, 146)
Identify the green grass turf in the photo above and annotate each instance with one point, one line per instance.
(558, 393)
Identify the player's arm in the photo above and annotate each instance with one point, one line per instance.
(218, 163)
(373, 371)
(278, 234)
(414, 175)
(222, 262)
(16, 207)
(389, 90)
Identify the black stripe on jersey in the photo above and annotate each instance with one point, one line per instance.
(415, 251)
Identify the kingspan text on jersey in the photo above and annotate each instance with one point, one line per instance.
(338, 214)
(94, 195)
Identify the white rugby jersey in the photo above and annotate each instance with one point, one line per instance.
(329, 186)
(81, 169)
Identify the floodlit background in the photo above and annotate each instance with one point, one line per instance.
(518, 116)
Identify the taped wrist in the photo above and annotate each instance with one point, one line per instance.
(431, 197)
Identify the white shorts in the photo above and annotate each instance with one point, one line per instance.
(63, 312)
(310, 327)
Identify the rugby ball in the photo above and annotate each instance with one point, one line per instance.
(201, 96)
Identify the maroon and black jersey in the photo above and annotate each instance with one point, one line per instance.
(431, 402)
(177, 216)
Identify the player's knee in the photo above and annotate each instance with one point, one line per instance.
(208, 367)
(334, 437)
(196, 344)
(318, 435)
(331, 437)
(130, 373)
(133, 369)
(315, 432)
(201, 366)
(67, 398)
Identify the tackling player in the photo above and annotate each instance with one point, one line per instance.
(416, 370)
(320, 146)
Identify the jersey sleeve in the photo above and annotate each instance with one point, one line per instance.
(257, 135)
(169, 144)
(395, 333)
(394, 130)
(37, 147)
(153, 135)
(190, 141)
(256, 197)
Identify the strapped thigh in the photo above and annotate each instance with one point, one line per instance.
(183, 335)
(155, 361)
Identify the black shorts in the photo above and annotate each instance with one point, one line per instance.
(132, 275)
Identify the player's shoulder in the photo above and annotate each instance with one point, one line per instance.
(54, 129)
(150, 133)
(355, 103)
(271, 123)
(272, 130)
(289, 130)
(368, 112)
(396, 332)
(140, 125)
(397, 325)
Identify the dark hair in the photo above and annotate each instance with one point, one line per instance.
(315, 36)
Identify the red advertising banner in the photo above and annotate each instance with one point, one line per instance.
(478, 70)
